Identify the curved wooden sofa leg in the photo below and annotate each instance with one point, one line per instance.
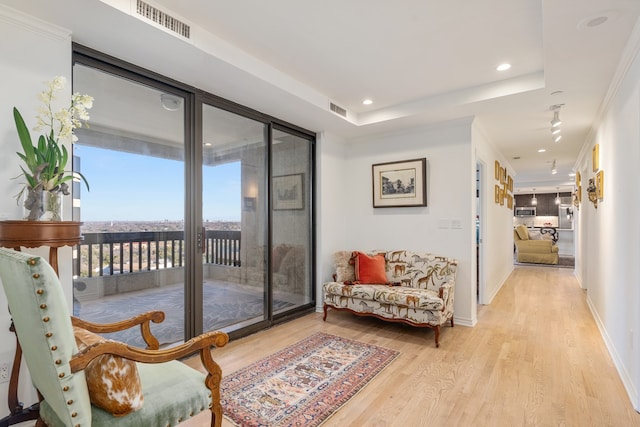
(452, 321)
(325, 308)
(437, 328)
(40, 423)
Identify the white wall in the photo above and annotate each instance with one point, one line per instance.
(347, 219)
(32, 52)
(332, 176)
(450, 173)
(497, 220)
(609, 236)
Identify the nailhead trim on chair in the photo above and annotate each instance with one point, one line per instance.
(39, 284)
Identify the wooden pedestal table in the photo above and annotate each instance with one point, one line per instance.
(33, 234)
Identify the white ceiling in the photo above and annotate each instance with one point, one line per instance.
(420, 61)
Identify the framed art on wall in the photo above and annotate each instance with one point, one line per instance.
(400, 184)
(288, 191)
(600, 185)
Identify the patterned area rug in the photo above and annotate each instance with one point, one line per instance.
(304, 384)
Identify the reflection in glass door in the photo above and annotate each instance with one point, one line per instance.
(132, 257)
(234, 218)
(291, 231)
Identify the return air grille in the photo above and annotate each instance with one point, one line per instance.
(159, 17)
(337, 109)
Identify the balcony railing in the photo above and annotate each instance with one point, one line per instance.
(104, 254)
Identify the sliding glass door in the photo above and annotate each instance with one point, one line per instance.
(234, 153)
(198, 207)
(291, 219)
(131, 259)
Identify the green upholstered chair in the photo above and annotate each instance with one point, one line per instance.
(172, 391)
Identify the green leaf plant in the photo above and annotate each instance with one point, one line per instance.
(45, 163)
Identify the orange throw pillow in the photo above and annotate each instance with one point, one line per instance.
(370, 269)
(113, 381)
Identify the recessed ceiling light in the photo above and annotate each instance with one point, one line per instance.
(367, 102)
(597, 20)
(208, 144)
(503, 67)
(572, 174)
(542, 150)
(557, 138)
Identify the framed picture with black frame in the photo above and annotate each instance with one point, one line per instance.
(400, 184)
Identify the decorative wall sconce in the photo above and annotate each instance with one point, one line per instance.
(569, 214)
(250, 204)
(592, 192)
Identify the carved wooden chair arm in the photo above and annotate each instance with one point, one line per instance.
(202, 342)
(143, 320)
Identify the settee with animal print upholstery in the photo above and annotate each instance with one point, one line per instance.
(398, 286)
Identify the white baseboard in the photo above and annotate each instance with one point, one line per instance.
(461, 321)
(627, 381)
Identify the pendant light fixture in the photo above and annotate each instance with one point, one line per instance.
(558, 196)
(534, 201)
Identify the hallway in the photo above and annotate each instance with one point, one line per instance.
(535, 358)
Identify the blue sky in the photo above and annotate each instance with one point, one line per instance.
(126, 187)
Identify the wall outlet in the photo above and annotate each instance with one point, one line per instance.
(5, 372)
(456, 224)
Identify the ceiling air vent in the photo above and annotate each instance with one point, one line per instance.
(161, 18)
(337, 109)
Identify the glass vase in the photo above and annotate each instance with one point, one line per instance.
(52, 206)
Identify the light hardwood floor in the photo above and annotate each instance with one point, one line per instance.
(535, 358)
